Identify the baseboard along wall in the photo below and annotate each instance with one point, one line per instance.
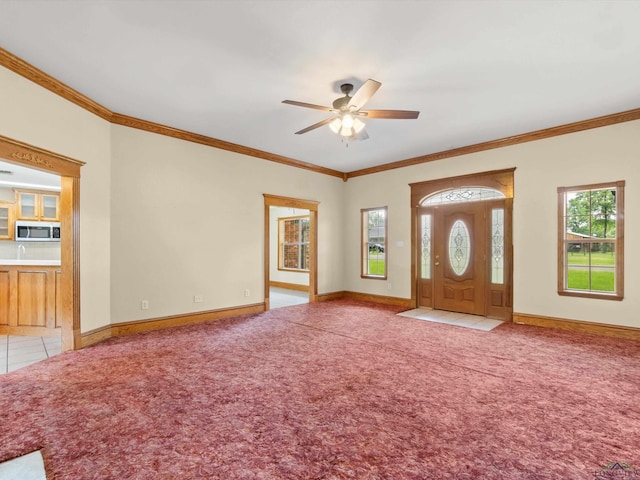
(118, 329)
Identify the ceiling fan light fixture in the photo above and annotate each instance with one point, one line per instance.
(358, 125)
(347, 120)
(346, 131)
(335, 125)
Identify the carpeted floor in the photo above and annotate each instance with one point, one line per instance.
(331, 390)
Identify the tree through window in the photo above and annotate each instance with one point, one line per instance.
(591, 240)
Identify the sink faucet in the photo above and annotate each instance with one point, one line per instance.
(21, 251)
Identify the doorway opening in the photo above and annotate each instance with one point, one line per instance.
(290, 254)
(462, 247)
(67, 282)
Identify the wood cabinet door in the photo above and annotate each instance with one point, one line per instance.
(27, 206)
(49, 207)
(6, 222)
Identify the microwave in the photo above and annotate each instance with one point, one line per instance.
(37, 232)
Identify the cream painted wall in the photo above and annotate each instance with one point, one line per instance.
(33, 115)
(188, 220)
(593, 156)
(164, 219)
(275, 275)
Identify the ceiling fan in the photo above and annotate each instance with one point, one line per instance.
(348, 112)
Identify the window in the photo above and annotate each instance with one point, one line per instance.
(591, 241)
(374, 243)
(293, 243)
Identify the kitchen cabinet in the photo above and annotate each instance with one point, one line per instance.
(36, 205)
(30, 300)
(6, 221)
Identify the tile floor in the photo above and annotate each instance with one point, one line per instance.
(452, 318)
(27, 467)
(281, 297)
(18, 351)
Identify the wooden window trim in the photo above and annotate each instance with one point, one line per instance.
(364, 241)
(618, 295)
(280, 244)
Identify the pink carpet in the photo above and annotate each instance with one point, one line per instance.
(334, 390)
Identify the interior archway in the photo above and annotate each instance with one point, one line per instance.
(14, 151)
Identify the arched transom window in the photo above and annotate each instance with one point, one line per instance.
(460, 195)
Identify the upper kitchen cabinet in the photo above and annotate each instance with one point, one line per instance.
(35, 205)
(6, 221)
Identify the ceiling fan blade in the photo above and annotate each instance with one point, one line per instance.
(364, 93)
(307, 105)
(393, 114)
(315, 125)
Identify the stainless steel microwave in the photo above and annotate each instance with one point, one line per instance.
(37, 231)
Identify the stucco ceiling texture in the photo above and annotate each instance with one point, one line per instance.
(476, 70)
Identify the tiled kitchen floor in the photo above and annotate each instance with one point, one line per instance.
(17, 351)
(281, 297)
(452, 318)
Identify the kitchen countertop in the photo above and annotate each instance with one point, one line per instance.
(30, 262)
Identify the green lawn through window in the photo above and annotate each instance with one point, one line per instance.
(376, 266)
(600, 281)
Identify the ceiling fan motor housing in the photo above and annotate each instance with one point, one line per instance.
(342, 102)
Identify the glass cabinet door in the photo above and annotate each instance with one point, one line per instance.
(27, 206)
(50, 207)
(6, 226)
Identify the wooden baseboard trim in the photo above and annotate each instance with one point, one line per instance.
(289, 286)
(128, 328)
(95, 336)
(604, 329)
(369, 297)
(325, 297)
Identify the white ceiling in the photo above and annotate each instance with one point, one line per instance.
(17, 176)
(476, 70)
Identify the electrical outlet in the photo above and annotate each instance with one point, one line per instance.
(144, 305)
(388, 286)
(197, 299)
(247, 292)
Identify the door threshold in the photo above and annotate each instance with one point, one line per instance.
(476, 322)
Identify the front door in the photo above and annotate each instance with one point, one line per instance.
(459, 250)
(464, 257)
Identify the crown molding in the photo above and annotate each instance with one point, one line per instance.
(133, 122)
(37, 76)
(597, 122)
(28, 71)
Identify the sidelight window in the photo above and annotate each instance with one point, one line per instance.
(591, 240)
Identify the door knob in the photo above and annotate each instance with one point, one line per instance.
(437, 263)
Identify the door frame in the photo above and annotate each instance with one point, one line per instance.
(312, 206)
(501, 180)
(14, 151)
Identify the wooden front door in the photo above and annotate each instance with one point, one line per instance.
(459, 251)
(464, 257)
